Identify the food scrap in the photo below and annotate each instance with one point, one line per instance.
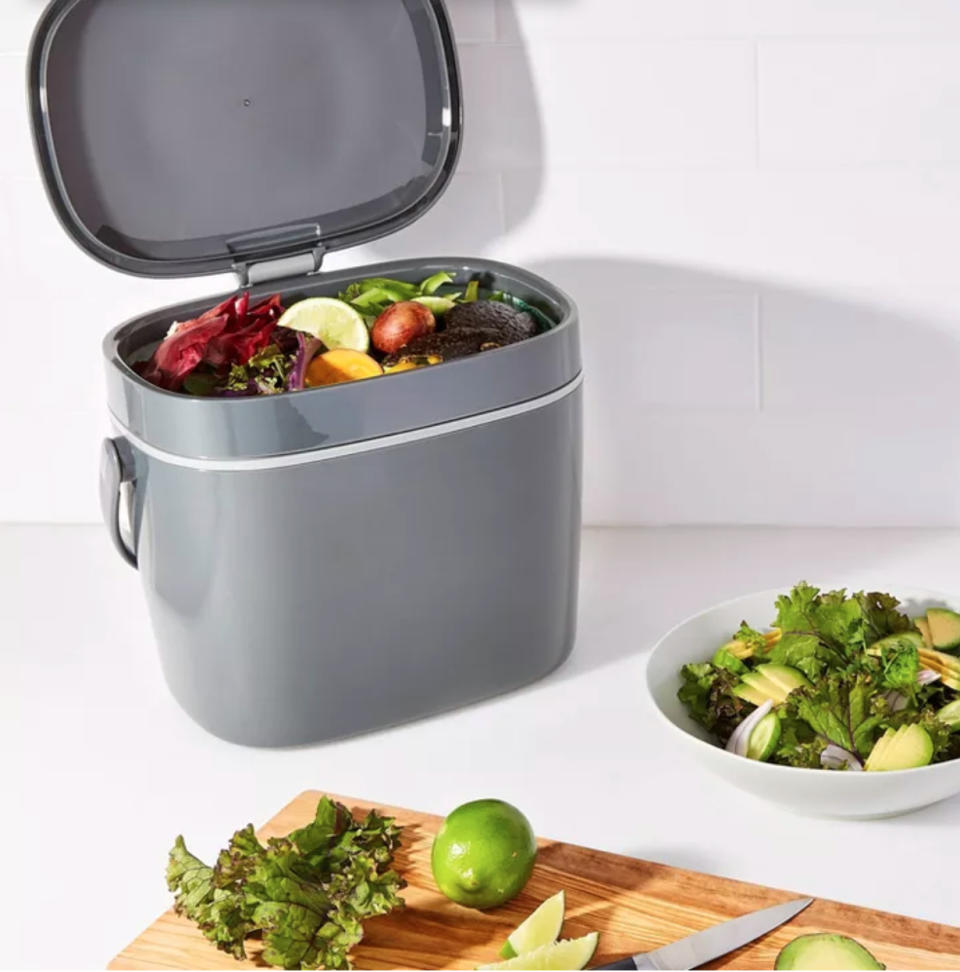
(377, 326)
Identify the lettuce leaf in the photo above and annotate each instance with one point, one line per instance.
(306, 895)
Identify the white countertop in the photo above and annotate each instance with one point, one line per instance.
(103, 770)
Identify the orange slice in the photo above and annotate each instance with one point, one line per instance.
(341, 365)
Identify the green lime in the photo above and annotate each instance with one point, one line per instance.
(334, 322)
(439, 305)
(541, 928)
(571, 954)
(483, 854)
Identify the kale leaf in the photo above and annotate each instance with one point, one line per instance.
(806, 652)
(839, 710)
(831, 630)
(726, 659)
(306, 894)
(899, 664)
(707, 692)
(881, 616)
(751, 639)
(799, 745)
(832, 617)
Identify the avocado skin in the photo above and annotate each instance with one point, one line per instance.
(825, 952)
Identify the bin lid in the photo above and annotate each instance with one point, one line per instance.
(181, 137)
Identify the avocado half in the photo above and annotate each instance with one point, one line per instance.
(825, 952)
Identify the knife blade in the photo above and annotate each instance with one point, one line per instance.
(695, 950)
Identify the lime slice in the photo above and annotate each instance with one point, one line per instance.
(541, 928)
(570, 954)
(334, 322)
(439, 305)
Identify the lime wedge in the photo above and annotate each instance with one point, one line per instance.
(334, 322)
(541, 928)
(439, 305)
(570, 954)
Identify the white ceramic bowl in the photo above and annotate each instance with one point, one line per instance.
(819, 793)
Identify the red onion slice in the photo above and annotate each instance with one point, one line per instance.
(896, 700)
(836, 757)
(741, 735)
(927, 676)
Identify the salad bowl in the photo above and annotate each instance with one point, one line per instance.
(812, 792)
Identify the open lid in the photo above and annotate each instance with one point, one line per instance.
(181, 137)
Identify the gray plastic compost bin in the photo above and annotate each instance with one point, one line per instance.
(323, 562)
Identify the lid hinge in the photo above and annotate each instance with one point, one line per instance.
(295, 265)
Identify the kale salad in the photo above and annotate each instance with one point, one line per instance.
(839, 681)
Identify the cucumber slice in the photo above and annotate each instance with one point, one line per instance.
(541, 928)
(764, 738)
(949, 715)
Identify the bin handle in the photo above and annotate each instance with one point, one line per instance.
(114, 472)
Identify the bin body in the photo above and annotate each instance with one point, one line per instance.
(372, 578)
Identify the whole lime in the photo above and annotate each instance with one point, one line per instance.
(484, 854)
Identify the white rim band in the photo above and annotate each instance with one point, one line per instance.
(352, 448)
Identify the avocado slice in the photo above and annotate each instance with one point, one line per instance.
(899, 640)
(880, 747)
(907, 748)
(944, 628)
(825, 952)
(773, 682)
(784, 676)
(761, 687)
(947, 666)
(949, 715)
(744, 690)
(764, 738)
(923, 626)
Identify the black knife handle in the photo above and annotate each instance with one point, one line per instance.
(627, 964)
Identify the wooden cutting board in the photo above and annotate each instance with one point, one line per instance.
(635, 905)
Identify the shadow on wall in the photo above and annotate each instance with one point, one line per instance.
(472, 217)
(713, 399)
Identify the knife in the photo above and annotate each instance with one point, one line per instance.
(694, 950)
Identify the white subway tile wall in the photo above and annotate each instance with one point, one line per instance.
(756, 204)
